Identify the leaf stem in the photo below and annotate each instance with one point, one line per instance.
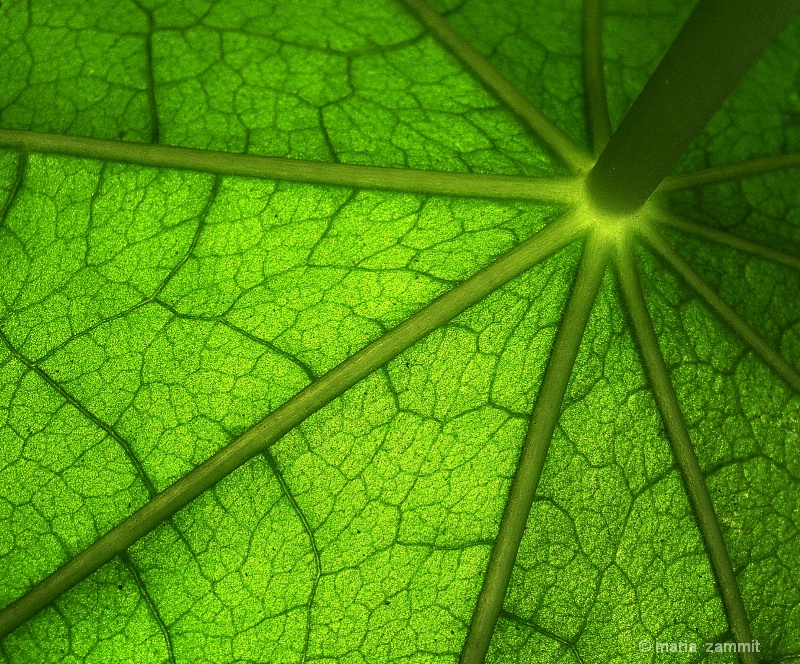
(593, 74)
(740, 169)
(534, 451)
(483, 70)
(297, 170)
(684, 452)
(728, 240)
(723, 309)
(714, 49)
(306, 402)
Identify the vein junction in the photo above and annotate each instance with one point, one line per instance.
(605, 234)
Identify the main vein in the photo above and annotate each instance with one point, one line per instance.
(306, 402)
(684, 453)
(724, 310)
(297, 170)
(594, 76)
(574, 156)
(534, 452)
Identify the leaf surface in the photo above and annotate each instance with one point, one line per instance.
(149, 316)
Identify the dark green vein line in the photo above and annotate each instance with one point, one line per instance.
(484, 71)
(684, 452)
(534, 451)
(594, 76)
(151, 606)
(305, 368)
(77, 405)
(741, 169)
(103, 321)
(728, 240)
(22, 160)
(221, 320)
(297, 170)
(514, 618)
(756, 343)
(201, 222)
(282, 420)
(312, 541)
(150, 73)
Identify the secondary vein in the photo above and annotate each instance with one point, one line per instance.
(306, 402)
(534, 451)
(312, 542)
(756, 343)
(22, 160)
(684, 452)
(106, 428)
(729, 240)
(739, 169)
(575, 157)
(297, 170)
(151, 605)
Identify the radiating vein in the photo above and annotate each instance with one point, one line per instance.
(774, 359)
(534, 451)
(297, 170)
(306, 402)
(741, 169)
(594, 76)
(684, 453)
(482, 69)
(728, 240)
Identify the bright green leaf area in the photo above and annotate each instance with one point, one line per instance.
(149, 316)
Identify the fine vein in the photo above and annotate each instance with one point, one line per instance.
(594, 76)
(729, 240)
(296, 170)
(306, 402)
(312, 542)
(534, 451)
(685, 456)
(150, 72)
(151, 605)
(724, 310)
(567, 645)
(740, 169)
(108, 429)
(485, 72)
(22, 161)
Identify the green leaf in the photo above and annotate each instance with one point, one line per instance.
(367, 180)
